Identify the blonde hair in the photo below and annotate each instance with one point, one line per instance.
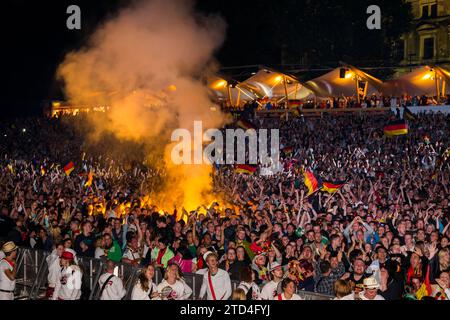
(342, 288)
(238, 294)
(442, 263)
(177, 268)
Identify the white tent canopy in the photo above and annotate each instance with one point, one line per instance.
(421, 81)
(224, 91)
(271, 84)
(331, 85)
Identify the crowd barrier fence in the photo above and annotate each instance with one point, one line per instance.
(32, 273)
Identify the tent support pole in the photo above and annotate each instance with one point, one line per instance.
(238, 98)
(285, 92)
(357, 88)
(365, 89)
(436, 79)
(443, 88)
(229, 96)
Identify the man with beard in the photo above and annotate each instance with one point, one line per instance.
(356, 278)
(112, 249)
(232, 265)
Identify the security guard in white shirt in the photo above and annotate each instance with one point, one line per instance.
(111, 286)
(8, 271)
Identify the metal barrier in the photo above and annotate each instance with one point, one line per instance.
(32, 272)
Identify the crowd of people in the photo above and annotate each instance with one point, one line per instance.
(382, 236)
(343, 101)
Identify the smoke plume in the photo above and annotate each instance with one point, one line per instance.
(147, 63)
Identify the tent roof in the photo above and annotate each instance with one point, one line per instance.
(421, 81)
(270, 83)
(219, 87)
(331, 85)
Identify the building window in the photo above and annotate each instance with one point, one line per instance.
(428, 9)
(433, 13)
(428, 48)
(424, 12)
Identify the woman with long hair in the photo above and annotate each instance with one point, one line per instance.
(251, 289)
(173, 286)
(145, 289)
(288, 288)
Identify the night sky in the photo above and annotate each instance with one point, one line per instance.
(35, 38)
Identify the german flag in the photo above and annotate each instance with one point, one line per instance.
(69, 168)
(396, 128)
(245, 168)
(332, 187)
(244, 124)
(312, 182)
(408, 115)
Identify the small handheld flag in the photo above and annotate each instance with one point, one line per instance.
(408, 115)
(69, 168)
(245, 168)
(332, 187)
(396, 128)
(312, 182)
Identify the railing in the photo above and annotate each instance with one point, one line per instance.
(32, 272)
(320, 112)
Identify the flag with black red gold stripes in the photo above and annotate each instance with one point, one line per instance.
(396, 128)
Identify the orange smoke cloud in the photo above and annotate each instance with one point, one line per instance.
(147, 64)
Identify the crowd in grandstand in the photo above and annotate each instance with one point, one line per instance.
(342, 101)
(382, 234)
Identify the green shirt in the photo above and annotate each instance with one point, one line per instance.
(115, 254)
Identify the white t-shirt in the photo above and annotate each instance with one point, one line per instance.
(131, 255)
(351, 296)
(69, 285)
(99, 252)
(270, 290)
(282, 297)
(54, 272)
(5, 282)
(181, 291)
(114, 290)
(139, 294)
(256, 294)
(221, 285)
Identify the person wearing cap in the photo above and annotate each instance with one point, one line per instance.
(370, 291)
(8, 271)
(111, 286)
(69, 285)
(216, 282)
(270, 289)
